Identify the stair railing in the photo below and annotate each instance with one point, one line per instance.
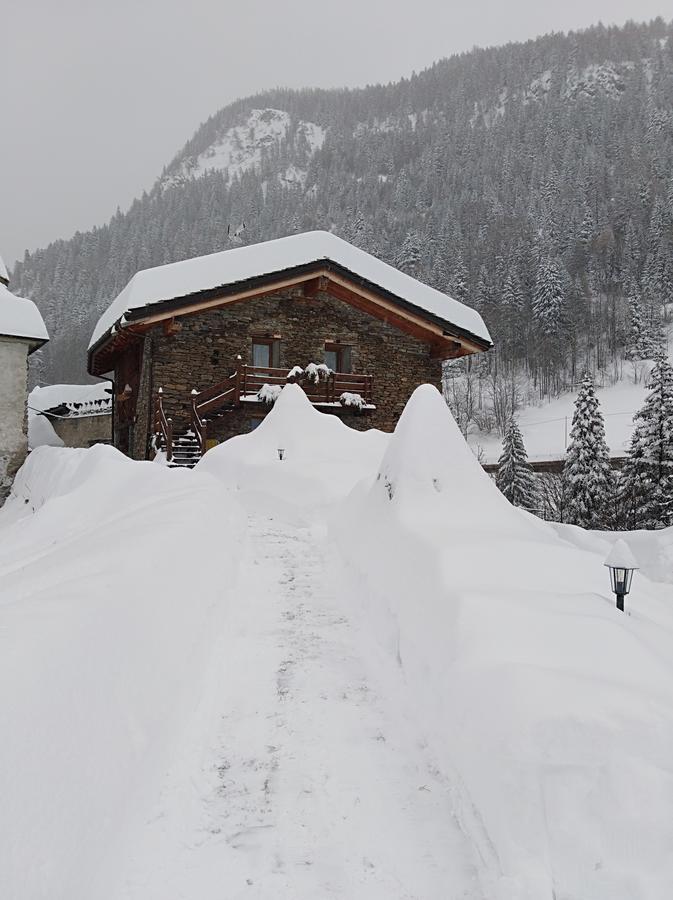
(163, 426)
(199, 425)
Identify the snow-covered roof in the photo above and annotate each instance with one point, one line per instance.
(227, 268)
(3, 272)
(20, 318)
(621, 556)
(76, 399)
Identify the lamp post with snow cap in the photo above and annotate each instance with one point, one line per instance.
(622, 564)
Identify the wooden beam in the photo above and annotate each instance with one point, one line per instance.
(223, 300)
(404, 320)
(171, 327)
(311, 288)
(444, 345)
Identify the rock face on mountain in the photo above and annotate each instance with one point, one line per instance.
(532, 181)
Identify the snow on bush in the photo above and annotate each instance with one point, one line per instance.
(295, 373)
(353, 400)
(316, 372)
(269, 393)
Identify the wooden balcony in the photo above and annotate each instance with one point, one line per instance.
(330, 390)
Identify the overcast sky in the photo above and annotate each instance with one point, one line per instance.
(96, 97)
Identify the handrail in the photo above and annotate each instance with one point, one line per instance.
(246, 381)
(163, 425)
(199, 425)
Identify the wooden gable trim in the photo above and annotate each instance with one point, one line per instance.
(444, 343)
(362, 298)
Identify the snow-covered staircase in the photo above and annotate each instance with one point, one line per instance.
(186, 451)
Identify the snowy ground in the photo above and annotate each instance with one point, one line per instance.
(357, 672)
(546, 427)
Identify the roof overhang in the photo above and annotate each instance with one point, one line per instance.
(447, 340)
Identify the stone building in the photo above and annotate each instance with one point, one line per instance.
(198, 350)
(70, 415)
(22, 331)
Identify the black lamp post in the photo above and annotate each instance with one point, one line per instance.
(622, 564)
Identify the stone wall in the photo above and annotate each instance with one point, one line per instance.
(83, 431)
(13, 422)
(204, 350)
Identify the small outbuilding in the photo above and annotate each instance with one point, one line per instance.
(22, 331)
(70, 415)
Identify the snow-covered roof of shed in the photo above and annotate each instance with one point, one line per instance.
(20, 318)
(80, 399)
(220, 270)
(621, 556)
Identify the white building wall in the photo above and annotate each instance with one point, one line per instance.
(13, 396)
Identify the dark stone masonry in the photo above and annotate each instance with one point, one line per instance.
(204, 350)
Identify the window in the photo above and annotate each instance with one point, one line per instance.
(266, 352)
(338, 357)
(261, 353)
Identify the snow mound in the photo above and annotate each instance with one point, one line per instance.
(103, 649)
(41, 432)
(429, 472)
(553, 710)
(322, 457)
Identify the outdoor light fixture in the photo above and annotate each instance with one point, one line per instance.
(622, 564)
(281, 453)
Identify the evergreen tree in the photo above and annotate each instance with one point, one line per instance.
(515, 478)
(409, 258)
(647, 478)
(548, 302)
(586, 473)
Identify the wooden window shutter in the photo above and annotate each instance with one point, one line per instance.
(346, 360)
(275, 354)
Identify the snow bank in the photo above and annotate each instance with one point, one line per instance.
(322, 457)
(553, 711)
(109, 597)
(41, 432)
(653, 550)
(229, 267)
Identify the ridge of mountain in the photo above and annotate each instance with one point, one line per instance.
(469, 175)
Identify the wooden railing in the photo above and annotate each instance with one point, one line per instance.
(163, 426)
(327, 390)
(247, 381)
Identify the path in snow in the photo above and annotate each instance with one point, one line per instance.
(304, 775)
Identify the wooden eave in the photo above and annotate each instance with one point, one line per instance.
(445, 339)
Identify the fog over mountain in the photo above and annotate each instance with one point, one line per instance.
(533, 181)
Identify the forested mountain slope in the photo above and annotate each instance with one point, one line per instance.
(533, 181)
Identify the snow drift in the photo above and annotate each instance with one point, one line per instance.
(109, 594)
(551, 710)
(382, 681)
(322, 458)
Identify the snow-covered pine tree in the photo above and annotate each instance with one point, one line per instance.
(409, 258)
(647, 478)
(515, 478)
(587, 474)
(548, 302)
